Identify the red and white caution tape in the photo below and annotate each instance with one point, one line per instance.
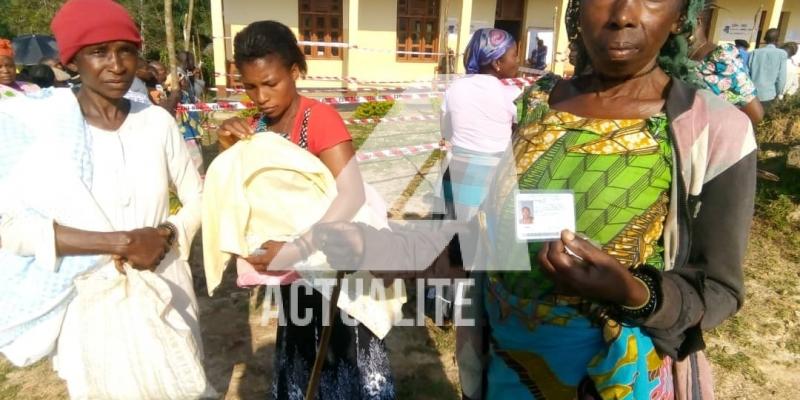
(366, 121)
(396, 152)
(371, 99)
(220, 106)
(429, 82)
(234, 105)
(532, 71)
(307, 90)
(410, 118)
(349, 79)
(520, 82)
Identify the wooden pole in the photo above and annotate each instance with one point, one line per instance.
(187, 27)
(316, 372)
(170, 28)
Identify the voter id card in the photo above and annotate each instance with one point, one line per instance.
(541, 215)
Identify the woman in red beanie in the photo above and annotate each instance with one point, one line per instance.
(9, 86)
(136, 153)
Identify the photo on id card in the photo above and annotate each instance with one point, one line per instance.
(541, 215)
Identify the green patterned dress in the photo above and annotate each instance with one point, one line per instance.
(546, 345)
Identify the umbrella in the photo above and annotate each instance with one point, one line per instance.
(30, 49)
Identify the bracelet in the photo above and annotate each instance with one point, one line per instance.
(646, 301)
(173, 231)
(649, 277)
(304, 247)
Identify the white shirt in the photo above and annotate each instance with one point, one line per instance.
(792, 77)
(478, 112)
(133, 169)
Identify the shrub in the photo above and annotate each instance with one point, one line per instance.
(375, 109)
(248, 113)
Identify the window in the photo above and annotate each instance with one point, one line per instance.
(321, 21)
(417, 30)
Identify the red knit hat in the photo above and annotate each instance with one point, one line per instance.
(6, 49)
(81, 23)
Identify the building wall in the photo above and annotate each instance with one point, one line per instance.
(735, 12)
(377, 22)
(483, 14)
(792, 33)
(377, 25)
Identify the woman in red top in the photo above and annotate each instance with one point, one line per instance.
(357, 367)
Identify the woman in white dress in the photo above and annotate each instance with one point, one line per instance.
(136, 153)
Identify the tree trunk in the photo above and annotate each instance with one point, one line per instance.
(173, 62)
(141, 27)
(187, 27)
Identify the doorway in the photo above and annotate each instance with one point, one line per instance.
(783, 22)
(508, 17)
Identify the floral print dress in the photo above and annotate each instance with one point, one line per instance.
(724, 73)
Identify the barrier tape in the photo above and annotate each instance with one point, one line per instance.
(534, 71)
(364, 121)
(235, 105)
(410, 118)
(437, 86)
(350, 79)
(396, 152)
(527, 79)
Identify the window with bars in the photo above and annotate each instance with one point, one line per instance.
(321, 21)
(417, 30)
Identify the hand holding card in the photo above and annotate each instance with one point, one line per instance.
(593, 274)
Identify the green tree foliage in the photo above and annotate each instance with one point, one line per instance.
(20, 17)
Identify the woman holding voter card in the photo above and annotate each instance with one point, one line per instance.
(642, 190)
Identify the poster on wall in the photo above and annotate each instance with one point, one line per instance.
(731, 31)
(539, 50)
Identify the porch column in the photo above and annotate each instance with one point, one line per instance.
(773, 8)
(220, 56)
(464, 21)
(561, 54)
(350, 36)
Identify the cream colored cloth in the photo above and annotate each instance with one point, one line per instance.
(268, 188)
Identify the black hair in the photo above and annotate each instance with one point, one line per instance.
(790, 48)
(772, 36)
(266, 38)
(42, 75)
(742, 43)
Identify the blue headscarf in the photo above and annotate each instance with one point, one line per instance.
(486, 45)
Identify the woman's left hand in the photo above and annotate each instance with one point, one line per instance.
(599, 276)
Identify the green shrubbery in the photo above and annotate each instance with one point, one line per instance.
(374, 109)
